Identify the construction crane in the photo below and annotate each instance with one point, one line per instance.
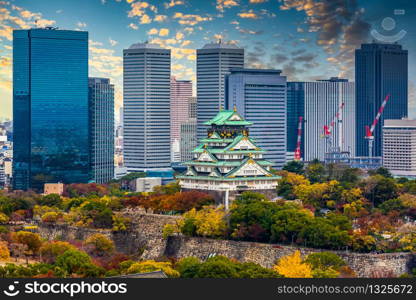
(328, 129)
(297, 151)
(370, 130)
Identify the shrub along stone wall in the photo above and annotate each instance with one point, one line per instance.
(146, 242)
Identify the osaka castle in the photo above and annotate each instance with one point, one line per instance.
(228, 160)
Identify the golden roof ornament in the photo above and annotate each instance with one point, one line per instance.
(235, 108)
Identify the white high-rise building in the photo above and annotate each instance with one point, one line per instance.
(318, 102)
(213, 62)
(399, 147)
(146, 102)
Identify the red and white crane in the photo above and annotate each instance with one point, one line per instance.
(297, 151)
(328, 129)
(370, 130)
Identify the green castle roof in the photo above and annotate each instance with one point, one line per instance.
(223, 118)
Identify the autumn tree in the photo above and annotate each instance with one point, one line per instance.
(325, 264)
(4, 251)
(207, 222)
(51, 250)
(99, 244)
(32, 240)
(152, 266)
(292, 266)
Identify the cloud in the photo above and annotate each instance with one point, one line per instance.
(179, 36)
(94, 43)
(249, 31)
(339, 25)
(279, 58)
(308, 57)
(248, 15)
(160, 18)
(153, 31)
(189, 19)
(133, 26)
(221, 4)
(19, 18)
(164, 32)
(173, 3)
(112, 42)
(145, 19)
(96, 50)
(81, 24)
(257, 1)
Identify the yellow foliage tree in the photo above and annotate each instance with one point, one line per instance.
(292, 266)
(3, 218)
(4, 252)
(152, 266)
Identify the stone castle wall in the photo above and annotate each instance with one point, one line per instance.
(146, 242)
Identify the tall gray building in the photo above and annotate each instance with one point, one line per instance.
(213, 62)
(318, 102)
(101, 106)
(146, 98)
(260, 97)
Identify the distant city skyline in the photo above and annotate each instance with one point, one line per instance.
(287, 34)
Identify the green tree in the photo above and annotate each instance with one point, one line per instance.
(392, 205)
(315, 171)
(51, 200)
(378, 189)
(294, 167)
(74, 262)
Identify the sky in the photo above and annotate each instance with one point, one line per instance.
(306, 39)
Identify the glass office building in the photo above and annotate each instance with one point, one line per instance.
(380, 69)
(50, 107)
(260, 98)
(101, 104)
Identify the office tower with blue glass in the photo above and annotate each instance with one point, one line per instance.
(213, 62)
(101, 106)
(380, 70)
(318, 102)
(260, 97)
(146, 103)
(50, 107)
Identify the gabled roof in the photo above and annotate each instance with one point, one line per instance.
(240, 138)
(208, 154)
(191, 171)
(227, 117)
(246, 161)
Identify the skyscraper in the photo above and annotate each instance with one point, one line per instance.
(318, 102)
(50, 107)
(146, 82)
(188, 132)
(260, 97)
(380, 69)
(180, 92)
(101, 105)
(213, 61)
